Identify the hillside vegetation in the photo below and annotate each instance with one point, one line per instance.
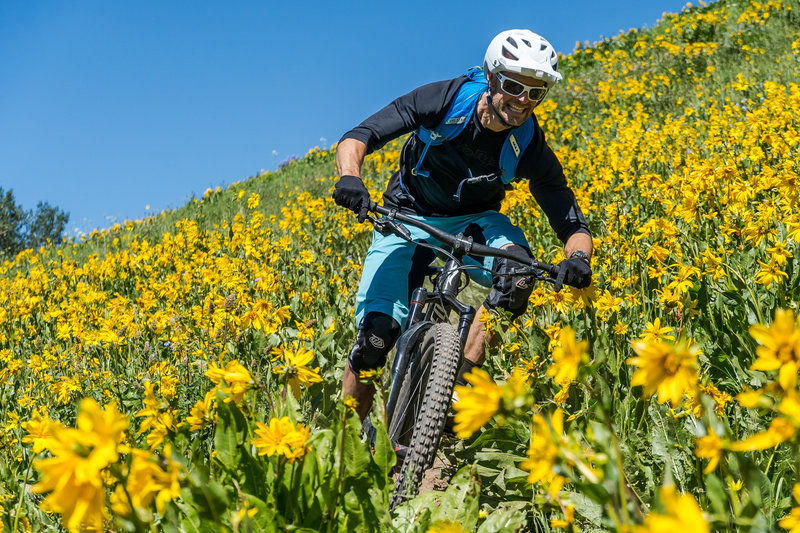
(181, 373)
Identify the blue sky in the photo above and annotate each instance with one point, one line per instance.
(107, 107)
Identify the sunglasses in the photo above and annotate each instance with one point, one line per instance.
(515, 88)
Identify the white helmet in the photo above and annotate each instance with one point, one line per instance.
(523, 52)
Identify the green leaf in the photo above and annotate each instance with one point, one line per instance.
(590, 508)
(265, 519)
(356, 453)
(506, 519)
(211, 500)
(459, 503)
(231, 431)
(716, 494)
(192, 520)
(255, 481)
(594, 492)
(384, 454)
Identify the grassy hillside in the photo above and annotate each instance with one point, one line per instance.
(182, 372)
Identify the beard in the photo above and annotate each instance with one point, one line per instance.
(508, 108)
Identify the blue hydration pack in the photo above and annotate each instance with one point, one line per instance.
(456, 120)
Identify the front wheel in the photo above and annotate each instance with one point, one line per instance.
(423, 405)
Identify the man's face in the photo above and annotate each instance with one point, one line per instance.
(515, 110)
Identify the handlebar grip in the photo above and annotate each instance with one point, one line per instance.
(552, 270)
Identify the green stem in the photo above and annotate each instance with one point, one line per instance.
(644, 413)
(334, 511)
(623, 500)
(289, 495)
(750, 290)
(22, 495)
(297, 478)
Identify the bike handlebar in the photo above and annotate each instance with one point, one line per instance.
(459, 242)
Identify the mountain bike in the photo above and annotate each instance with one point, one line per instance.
(430, 349)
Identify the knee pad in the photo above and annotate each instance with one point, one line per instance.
(510, 293)
(376, 336)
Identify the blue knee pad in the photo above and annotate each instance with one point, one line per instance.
(510, 293)
(375, 338)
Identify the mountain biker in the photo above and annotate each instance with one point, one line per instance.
(461, 184)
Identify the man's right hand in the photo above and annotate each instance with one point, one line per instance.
(350, 192)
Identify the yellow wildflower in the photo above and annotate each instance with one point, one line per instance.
(567, 357)
(200, 414)
(569, 519)
(709, 447)
(40, 431)
(295, 369)
(281, 437)
(667, 369)
(147, 481)
(235, 376)
(543, 452)
(780, 430)
(780, 347)
(73, 475)
(351, 403)
(681, 514)
(720, 398)
(476, 405)
(654, 331)
(445, 526)
(792, 520)
(770, 273)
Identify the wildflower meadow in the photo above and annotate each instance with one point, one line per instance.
(182, 372)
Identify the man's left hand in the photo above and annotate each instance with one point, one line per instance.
(575, 272)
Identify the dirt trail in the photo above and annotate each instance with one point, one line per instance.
(436, 477)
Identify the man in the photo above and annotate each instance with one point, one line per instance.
(461, 180)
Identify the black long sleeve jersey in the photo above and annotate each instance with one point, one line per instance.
(446, 191)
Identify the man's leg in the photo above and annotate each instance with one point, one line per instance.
(363, 393)
(376, 336)
(508, 293)
(477, 339)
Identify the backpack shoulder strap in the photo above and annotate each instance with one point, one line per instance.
(514, 146)
(457, 116)
(456, 119)
(460, 110)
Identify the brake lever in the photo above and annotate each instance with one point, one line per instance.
(399, 229)
(386, 225)
(537, 273)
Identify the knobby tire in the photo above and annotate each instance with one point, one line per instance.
(424, 402)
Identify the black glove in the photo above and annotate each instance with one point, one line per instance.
(575, 272)
(350, 192)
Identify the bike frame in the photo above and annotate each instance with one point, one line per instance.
(427, 308)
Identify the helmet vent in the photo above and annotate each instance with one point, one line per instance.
(543, 46)
(513, 42)
(509, 55)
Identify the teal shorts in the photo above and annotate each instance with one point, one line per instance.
(384, 280)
